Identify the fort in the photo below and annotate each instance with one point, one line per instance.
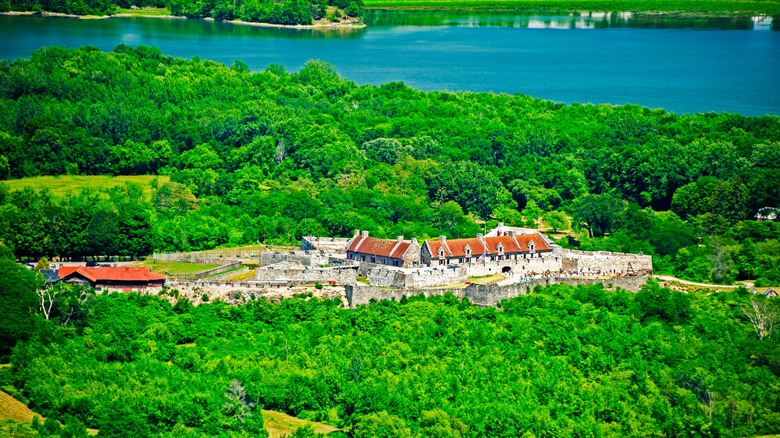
(515, 260)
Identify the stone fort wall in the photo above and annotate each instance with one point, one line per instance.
(485, 294)
(308, 276)
(605, 261)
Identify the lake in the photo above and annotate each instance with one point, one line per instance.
(681, 64)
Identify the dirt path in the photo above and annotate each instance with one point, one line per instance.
(691, 283)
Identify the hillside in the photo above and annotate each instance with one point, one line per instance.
(268, 157)
(562, 361)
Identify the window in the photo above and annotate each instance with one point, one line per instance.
(441, 262)
(468, 259)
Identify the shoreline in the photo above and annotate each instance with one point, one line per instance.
(353, 24)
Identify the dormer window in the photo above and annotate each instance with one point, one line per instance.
(441, 252)
(531, 246)
(468, 250)
(500, 248)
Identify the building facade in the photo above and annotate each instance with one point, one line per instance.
(483, 249)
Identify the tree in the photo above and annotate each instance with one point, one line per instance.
(381, 425)
(763, 315)
(17, 303)
(556, 220)
(103, 234)
(599, 213)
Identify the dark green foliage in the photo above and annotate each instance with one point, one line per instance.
(18, 304)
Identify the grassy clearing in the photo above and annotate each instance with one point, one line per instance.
(241, 277)
(15, 417)
(144, 12)
(65, 185)
(280, 424)
(487, 279)
(711, 6)
(175, 267)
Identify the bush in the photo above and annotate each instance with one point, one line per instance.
(763, 282)
(317, 285)
(204, 298)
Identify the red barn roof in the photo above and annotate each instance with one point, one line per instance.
(97, 274)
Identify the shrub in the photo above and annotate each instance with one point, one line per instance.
(204, 298)
(317, 285)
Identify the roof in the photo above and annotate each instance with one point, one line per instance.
(379, 247)
(457, 247)
(525, 239)
(50, 275)
(124, 273)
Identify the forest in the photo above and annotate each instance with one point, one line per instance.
(273, 155)
(562, 361)
(286, 12)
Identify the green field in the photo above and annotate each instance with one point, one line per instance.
(720, 7)
(144, 12)
(64, 185)
(175, 267)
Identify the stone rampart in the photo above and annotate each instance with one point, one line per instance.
(307, 258)
(324, 243)
(486, 294)
(414, 278)
(307, 275)
(606, 262)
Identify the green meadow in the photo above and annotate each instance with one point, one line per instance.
(64, 185)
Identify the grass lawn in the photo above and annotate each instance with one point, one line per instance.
(15, 417)
(241, 277)
(64, 185)
(175, 267)
(144, 12)
(487, 279)
(710, 6)
(280, 424)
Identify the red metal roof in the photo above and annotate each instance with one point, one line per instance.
(123, 273)
(524, 239)
(457, 247)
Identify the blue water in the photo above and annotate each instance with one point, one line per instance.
(683, 67)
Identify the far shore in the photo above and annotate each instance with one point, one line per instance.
(352, 24)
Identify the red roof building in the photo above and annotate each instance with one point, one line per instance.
(401, 253)
(125, 279)
(480, 249)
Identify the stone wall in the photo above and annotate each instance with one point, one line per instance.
(310, 243)
(550, 261)
(307, 276)
(414, 278)
(307, 258)
(605, 261)
(485, 294)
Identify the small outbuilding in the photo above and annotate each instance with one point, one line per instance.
(121, 279)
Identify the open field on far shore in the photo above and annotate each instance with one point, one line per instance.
(144, 12)
(175, 267)
(711, 6)
(64, 185)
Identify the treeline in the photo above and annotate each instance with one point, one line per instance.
(290, 12)
(563, 361)
(272, 155)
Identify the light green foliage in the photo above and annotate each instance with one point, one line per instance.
(562, 360)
